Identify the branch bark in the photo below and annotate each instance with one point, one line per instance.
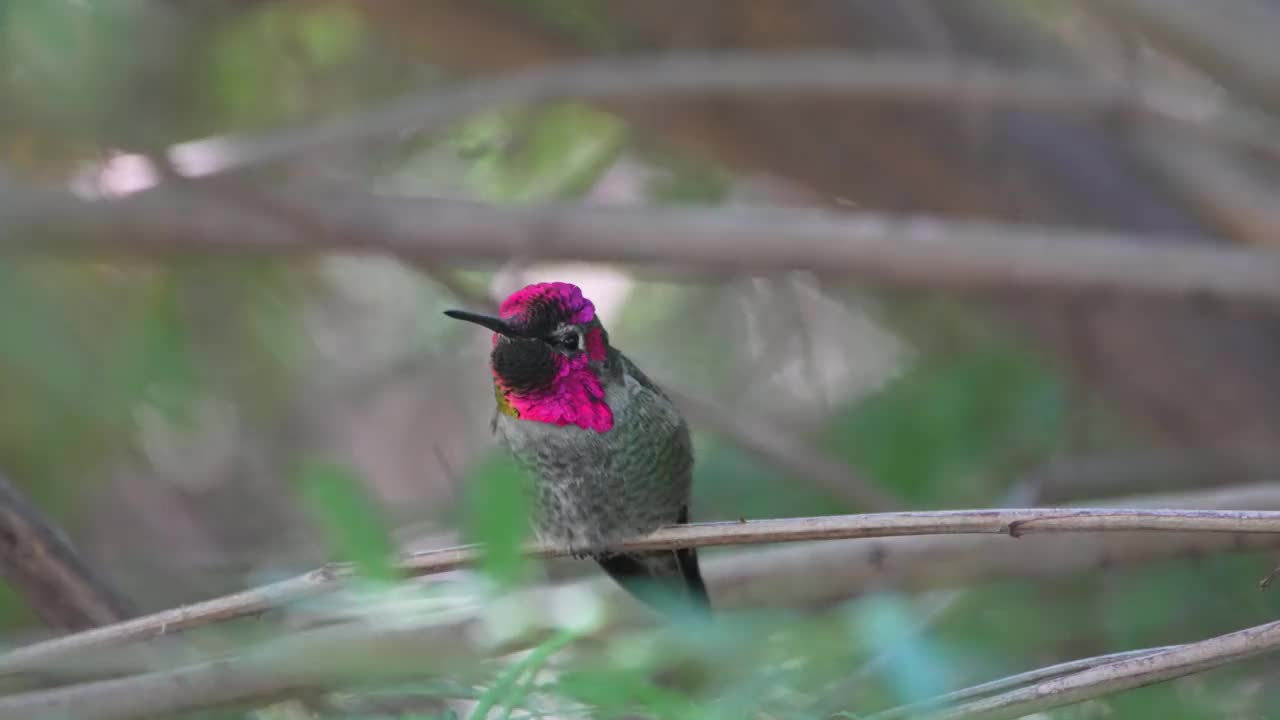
(1120, 675)
(918, 252)
(344, 654)
(834, 570)
(1012, 681)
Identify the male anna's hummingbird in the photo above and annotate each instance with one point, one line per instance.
(608, 453)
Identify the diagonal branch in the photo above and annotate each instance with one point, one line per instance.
(1233, 43)
(1012, 681)
(348, 652)
(1233, 524)
(43, 567)
(1123, 674)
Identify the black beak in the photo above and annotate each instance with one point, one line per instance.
(497, 325)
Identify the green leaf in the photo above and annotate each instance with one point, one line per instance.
(497, 517)
(507, 689)
(352, 523)
(910, 663)
(553, 153)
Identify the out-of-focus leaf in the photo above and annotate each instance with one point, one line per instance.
(944, 420)
(615, 690)
(272, 65)
(331, 33)
(678, 181)
(913, 667)
(70, 57)
(497, 516)
(550, 153)
(352, 523)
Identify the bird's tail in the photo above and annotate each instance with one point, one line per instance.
(667, 580)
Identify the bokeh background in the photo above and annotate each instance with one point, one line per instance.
(198, 424)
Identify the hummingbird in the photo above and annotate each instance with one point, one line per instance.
(608, 453)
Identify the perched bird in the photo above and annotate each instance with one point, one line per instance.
(608, 453)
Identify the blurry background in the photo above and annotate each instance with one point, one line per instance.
(197, 425)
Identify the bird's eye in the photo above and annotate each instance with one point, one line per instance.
(569, 341)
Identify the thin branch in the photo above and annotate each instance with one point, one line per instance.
(1234, 44)
(321, 658)
(43, 567)
(1124, 674)
(346, 653)
(777, 74)
(825, 573)
(1011, 681)
(920, 252)
(1233, 524)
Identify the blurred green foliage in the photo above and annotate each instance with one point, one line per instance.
(497, 516)
(539, 155)
(354, 527)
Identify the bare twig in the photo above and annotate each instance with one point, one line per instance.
(324, 657)
(1233, 43)
(896, 251)
(1018, 680)
(1234, 524)
(43, 567)
(773, 74)
(1120, 675)
(345, 653)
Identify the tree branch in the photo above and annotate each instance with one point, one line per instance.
(882, 560)
(774, 74)
(1010, 681)
(1124, 674)
(916, 252)
(43, 567)
(346, 653)
(1235, 47)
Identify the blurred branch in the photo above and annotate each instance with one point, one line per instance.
(873, 564)
(1117, 675)
(906, 251)
(1234, 194)
(325, 657)
(1232, 42)
(342, 654)
(42, 566)
(699, 75)
(1024, 678)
